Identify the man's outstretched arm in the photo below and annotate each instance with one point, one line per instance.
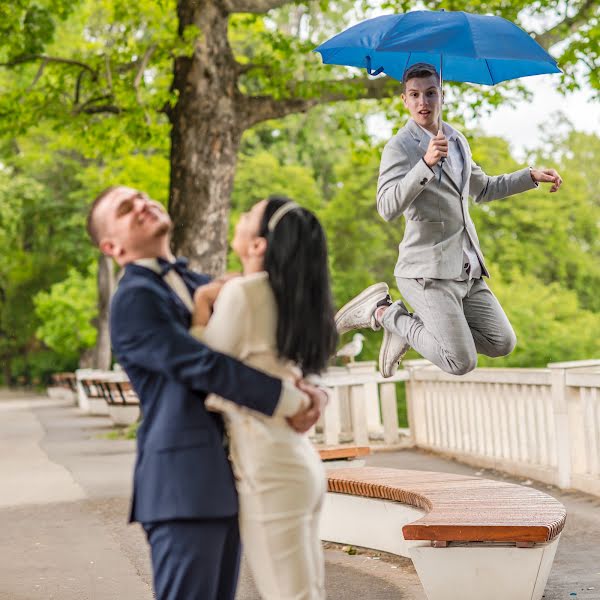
(485, 188)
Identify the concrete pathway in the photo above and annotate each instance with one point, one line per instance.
(64, 499)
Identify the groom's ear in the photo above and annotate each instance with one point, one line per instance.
(109, 248)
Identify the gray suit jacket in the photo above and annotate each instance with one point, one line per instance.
(436, 213)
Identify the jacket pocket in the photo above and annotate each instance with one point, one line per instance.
(422, 242)
(173, 439)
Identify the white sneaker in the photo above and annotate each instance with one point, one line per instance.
(359, 312)
(393, 348)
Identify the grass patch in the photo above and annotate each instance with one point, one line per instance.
(123, 433)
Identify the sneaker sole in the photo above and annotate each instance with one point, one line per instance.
(382, 352)
(371, 292)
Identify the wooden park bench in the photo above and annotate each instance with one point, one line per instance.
(64, 386)
(469, 538)
(110, 393)
(123, 403)
(334, 454)
(94, 393)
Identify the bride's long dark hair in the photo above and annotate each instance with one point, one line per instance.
(296, 261)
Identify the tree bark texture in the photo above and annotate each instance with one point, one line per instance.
(205, 137)
(106, 285)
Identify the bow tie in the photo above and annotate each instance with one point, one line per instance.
(180, 265)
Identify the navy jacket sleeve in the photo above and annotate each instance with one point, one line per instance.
(146, 335)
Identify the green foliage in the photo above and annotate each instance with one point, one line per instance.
(553, 237)
(549, 322)
(66, 312)
(92, 113)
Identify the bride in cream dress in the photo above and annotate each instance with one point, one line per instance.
(277, 317)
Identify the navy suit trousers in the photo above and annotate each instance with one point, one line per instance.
(195, 559)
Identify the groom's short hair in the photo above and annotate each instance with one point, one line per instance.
(420, 71)
(93, 228)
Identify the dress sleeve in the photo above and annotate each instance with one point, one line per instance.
(226, 329)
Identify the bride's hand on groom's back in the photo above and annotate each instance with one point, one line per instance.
(303, 420)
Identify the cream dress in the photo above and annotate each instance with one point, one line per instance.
(280, 479)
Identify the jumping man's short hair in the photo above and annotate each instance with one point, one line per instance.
(419, 71)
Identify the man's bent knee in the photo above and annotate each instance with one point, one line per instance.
(461, 366)
(505, 345)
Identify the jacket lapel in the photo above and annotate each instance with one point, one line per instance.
(446, 168)
(423, 141)
(466, 161)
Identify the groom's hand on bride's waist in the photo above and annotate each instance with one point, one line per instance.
(303, 420)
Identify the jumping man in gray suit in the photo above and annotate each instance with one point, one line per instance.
(427, 175)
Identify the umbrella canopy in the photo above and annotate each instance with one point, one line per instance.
(464, 47)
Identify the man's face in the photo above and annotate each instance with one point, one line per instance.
(130, 224)
(422, 97)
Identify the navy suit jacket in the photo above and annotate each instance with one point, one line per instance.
(181, 470)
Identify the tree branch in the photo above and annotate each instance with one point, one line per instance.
(78, 86)
(139, 75)
(106, 108)
(567, 26)
(257, 7)
(91, 107)
(48, 59)
(38, 75)
(264, 108)
(109, 80)
(140, 72)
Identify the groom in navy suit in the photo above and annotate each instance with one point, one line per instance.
(183, 494)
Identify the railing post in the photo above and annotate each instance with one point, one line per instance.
(561, 424)
(415, 403)
(359, 415)
(389, 413)
(331, 418)
(371, 394)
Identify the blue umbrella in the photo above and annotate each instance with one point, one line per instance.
(462, 46)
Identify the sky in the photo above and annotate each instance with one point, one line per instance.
(522, 125)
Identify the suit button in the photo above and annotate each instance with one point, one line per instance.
(423, 181)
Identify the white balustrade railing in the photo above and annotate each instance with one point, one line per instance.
(362, 405)
(495, 418)
(542, 424)
(538, 423)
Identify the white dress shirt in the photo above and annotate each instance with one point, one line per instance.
(456, 162)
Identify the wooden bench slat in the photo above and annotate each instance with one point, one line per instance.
(342, 452)
(459, 508)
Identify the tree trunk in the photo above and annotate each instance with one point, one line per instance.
(6, 372)
(106, 286)
(205, 136)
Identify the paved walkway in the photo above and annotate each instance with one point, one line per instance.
(63, 508)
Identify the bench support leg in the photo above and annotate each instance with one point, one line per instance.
(475, 572)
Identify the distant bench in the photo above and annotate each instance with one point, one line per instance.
(469, 538)
(64, 386)
(108, 393)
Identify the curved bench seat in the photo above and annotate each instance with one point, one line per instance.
(469, 538)
(459, 508)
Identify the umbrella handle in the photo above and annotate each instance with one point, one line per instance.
(370, 70)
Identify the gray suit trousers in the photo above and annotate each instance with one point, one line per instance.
(453, 321)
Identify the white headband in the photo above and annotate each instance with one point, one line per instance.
(280, 213)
